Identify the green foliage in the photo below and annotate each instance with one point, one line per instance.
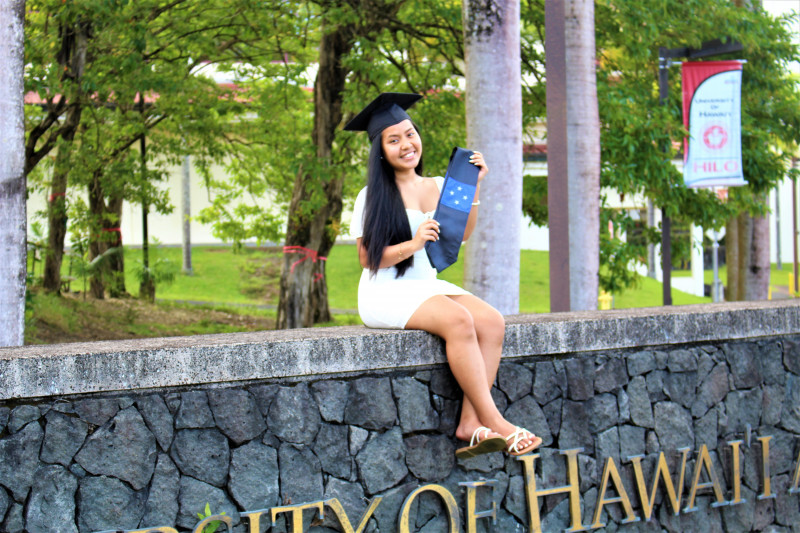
(159, 271)
(618, 257)
(640, 138)
(212, 526)
(37, 246)
(82, 226)
(166, 52)
(534, 199)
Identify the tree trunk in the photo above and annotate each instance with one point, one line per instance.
(309, 235)
(57, 221)
(745, 233)
(492, 54)
(107, 235)
(72, 58)
(755, 265)
(13, 223)
(583, 153)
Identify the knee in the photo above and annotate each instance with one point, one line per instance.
(461, 326)
(492, 325)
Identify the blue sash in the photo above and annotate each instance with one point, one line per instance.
(453, 209)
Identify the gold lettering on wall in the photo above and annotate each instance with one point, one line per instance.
(214, 518)
(610, 471)
(661, 473)
(341, 515)
(255, 519)
(472, 514)
(297, 513)
(449, 503)
(673, 484)
(736, 474)
(796, 482)
(572, 488)
(766, 482)
(704, 462)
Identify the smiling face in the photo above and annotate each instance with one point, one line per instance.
(402, 146)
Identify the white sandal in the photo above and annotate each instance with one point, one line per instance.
(518, 436)
(478, 446)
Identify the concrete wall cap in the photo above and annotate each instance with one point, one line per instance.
(79, 368)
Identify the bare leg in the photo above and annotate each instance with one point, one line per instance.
(490, 330)
(443, 316)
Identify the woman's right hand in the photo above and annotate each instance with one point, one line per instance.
(427, 231)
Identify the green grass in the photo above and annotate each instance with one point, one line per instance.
(251, 278)
(218, 275)
(534, 291)
(242, 289)
(222, 277)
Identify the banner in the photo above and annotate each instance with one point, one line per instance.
(712, 115)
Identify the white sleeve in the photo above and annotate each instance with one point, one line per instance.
(439, 182)
(357, 222)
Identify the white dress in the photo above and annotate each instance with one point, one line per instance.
(385, 301)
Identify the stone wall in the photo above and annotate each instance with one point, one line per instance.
(94, 460)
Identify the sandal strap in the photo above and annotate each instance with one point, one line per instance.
(518, 436)
(476, 435)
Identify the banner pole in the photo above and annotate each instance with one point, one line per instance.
(666, 223)
(794, 223)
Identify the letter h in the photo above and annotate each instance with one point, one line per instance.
(572, 488)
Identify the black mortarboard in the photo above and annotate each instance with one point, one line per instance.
(386, 110)
(452, 212)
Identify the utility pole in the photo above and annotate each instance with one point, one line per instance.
(557, 161)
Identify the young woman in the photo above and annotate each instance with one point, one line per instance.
(392, 221)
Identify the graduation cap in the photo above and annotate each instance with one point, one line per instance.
(452, 212)
(386, 110)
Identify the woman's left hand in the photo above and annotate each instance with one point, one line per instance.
(477, 159)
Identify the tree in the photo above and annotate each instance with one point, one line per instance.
(72, 60)
(13, 249)
(91, 89)
(492, 53)
(370, 47)
(748, 260)
(583, 153)
(303, 295)
(634, 128)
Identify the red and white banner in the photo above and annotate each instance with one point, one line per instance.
(712, 113)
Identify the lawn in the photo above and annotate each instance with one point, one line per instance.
(251, 277)
(239, 292)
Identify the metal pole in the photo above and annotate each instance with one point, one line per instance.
(716, 285)
(187, 213)
(651, 248)
(794, 224)
(145, 208)
(666, 223)
(778, 226)
(557, 185)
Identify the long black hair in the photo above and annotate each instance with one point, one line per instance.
(385, 218)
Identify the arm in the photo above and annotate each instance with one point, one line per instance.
(395, 253)
(476, 159)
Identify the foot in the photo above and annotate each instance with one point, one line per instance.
(522, 441)
(483, 440)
